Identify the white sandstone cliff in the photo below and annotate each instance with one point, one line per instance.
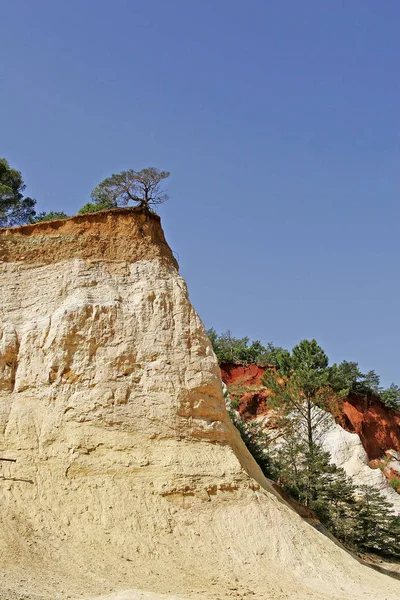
(129, 473)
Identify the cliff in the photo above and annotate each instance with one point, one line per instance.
(124, 234)
(129, 473)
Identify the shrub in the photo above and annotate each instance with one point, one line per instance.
(50, 216)
(91, 207)
(395, 483)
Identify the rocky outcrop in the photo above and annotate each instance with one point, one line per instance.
(347, 451)
(377, 425)
(237, 374)
(244, 382)
(129, 473)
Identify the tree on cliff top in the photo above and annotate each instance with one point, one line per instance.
(140, 187)
(15, 209)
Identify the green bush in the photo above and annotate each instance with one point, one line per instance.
(256, 440)
(91, 207)
(50, 216)
(395, 483)
(235, 404)
(230, 349)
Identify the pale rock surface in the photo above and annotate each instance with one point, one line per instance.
(130, 480)
(347, 452)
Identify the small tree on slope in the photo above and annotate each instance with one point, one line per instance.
(376, 529)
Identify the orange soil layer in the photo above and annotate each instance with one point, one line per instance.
(125, 234)
(377, 425)
(237, 374)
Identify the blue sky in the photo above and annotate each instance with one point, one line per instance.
(279, 121)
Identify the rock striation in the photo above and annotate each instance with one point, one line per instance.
(129, 473)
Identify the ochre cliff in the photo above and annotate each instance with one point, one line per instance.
(126, 234)
(242, 375)
(377, 425)
(129, 473)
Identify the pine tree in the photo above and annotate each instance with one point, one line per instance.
(376, 529)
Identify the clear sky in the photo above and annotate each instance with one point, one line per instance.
(279, 121)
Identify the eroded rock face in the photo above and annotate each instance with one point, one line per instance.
(377, 425)
(129, 472)
(238, 374)
(347, 451)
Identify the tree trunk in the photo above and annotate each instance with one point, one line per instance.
(310, 440)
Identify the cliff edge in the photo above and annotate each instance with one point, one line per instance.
(127, 234)
(129, 474)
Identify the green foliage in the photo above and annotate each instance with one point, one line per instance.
(309, 357)
(304, 397)
(391, 396)
(361, 518)
(256, 440)
(376, 529)
(304, 394)
(395, 483)
(50, 216)
(235, 404)
(384, 463)
(140, 187)
(15, 209)
(344, 376)
(347, 377)
(91, 207)
(314, 481)
(368, 384)
(230, 349)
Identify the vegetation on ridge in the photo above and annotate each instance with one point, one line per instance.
(230, 349)
(344, 377)
(143, 188)
(53, 215)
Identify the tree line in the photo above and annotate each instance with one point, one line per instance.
(345, 376)
(141, 188)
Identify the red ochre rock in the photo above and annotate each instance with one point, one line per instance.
(242, 375)
(377, 425)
